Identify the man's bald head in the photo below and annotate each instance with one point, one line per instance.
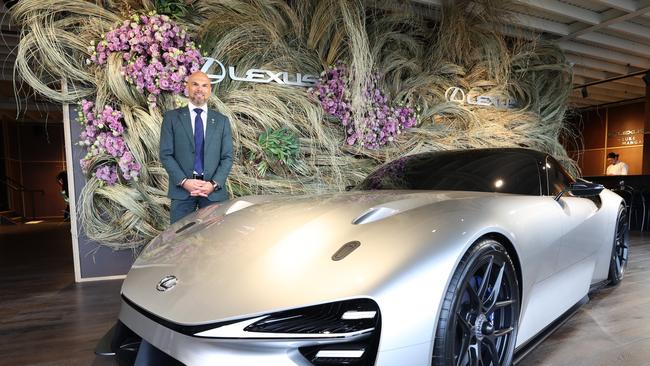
(199, 88)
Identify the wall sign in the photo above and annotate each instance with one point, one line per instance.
(458, 95)
(256, 75)
(628, 137)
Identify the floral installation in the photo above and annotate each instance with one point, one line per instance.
(103, 135)
(382, 122)
(157, 54)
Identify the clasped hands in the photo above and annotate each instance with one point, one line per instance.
(198, 187)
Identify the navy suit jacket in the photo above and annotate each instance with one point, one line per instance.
(177, 151)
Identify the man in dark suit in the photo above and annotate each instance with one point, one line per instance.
(196, 151)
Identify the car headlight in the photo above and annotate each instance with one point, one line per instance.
(347, 331)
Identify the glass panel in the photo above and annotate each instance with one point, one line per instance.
(484, 170)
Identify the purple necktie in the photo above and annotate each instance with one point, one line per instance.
(198, 142)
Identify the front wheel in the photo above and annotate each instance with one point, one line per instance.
(479, 319)
(620, 248)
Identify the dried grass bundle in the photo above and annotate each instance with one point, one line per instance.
(417, 61)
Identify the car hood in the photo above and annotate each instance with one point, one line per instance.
(257, 254)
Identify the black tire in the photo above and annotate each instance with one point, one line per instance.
(620, 248)
(476, 328)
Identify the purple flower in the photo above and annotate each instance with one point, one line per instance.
(157, 54)
(381, 122)
(103, 136)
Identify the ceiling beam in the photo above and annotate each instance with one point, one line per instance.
(632, 81)
(601, 75)
(617, 43)
(631, 29)
(608, 18)
(539, 24)
(615, 85)
(564, 9)
(605, 54)
(590, 73)
(618, 93)
(600, 98)
(593, 63)
(582, 101)
(623, 5)
(628, 89)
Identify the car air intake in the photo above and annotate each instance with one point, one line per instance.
(360, 317)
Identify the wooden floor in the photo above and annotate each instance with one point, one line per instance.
(613, 329)
(47, 319)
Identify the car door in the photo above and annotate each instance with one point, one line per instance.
(582, 222)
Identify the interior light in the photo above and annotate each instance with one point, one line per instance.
(353, 353)
(498, 183)
(354, 315)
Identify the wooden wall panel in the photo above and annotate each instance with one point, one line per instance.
(42, 176)
(592, 162)
(15, 199)
(39, 142)
(35, 155)
(593, 129)
(625, 125)
(617, 129)
(13, 149)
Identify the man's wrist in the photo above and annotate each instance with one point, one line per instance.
(215, 185)
(182, 182)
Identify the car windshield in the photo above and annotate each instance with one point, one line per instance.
(485, 170)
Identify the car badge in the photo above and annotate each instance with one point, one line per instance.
(167, 283)
(346, 249)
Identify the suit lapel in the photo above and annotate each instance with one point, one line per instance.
(211, 129)
(186, 122)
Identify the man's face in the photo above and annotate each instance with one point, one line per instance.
(199, 88)
(610, 161)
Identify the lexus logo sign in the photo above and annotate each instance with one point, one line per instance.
(455, 94)
(217, 72)
(458, 95)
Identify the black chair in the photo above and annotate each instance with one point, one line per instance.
(635, 203)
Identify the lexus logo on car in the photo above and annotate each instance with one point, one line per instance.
(167, 283)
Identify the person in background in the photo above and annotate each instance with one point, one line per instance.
(196, 151)
(614, 166)
(62, 178)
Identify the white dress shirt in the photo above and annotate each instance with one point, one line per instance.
(619, 168)
(204, 116)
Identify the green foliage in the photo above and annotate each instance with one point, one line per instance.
(176, 9)
(279, 151)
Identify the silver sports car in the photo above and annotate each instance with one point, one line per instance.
(449, 258)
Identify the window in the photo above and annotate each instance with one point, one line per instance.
(485, 170)
(558, 179)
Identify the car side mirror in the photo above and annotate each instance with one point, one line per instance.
(582, 189)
